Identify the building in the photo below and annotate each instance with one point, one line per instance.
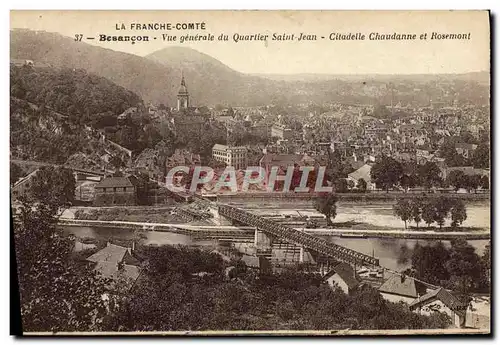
(281, 132)
(401, 288)
(182, 96)
(442, 301)
(342, 276)
(186, 120)
(115, 191)
(235, 156)
(362, 173)
(182, 157)
(85, 190)
(118, 264)
(465, 149)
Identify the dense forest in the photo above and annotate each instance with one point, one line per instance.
(183, 288)
(173, 295)
(70, 91)
(56, 113)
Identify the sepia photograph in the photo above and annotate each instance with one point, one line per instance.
(250, 172)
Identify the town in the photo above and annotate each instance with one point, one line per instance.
(402, 201)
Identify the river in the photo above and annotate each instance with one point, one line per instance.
(388, 251)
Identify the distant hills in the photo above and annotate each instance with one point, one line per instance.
(156, 77)
(480, 77)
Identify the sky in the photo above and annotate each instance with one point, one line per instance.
(293, 57)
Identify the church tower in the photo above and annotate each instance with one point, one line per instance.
(182, 96)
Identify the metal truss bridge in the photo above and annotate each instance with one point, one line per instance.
(296, 237)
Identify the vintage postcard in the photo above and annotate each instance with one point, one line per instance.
(251, 172)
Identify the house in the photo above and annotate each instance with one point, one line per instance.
(411, 129)
(118, 264)
(182, 158)
(281, 132)
(401, 288)
(85, 190)
(342, 276)
(115, 191)
(443, 301)
(465, 149)
(234, 156)
(362, 173)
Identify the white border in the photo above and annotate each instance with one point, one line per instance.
(184, 4)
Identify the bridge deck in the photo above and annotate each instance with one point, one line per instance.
(297, 237)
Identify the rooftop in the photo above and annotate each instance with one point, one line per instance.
(110, 182)
(400, 285)
(345, 272)
(441, 294)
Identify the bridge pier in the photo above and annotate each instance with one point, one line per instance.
(314, 244)
(263, 243)
(217, 218)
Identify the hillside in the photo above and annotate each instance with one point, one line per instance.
(70, 91)
(209, 79)
(54, 113)
(155, 78)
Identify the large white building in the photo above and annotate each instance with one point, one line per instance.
(235, 156)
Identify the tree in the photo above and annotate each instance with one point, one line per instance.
(472, 182)
(57, 293)
(429, 175)
(464, 266)
(450, 154)
(485, 182)
(442, 207)
(481, 156)
(458, 213)
(386, 172)
(455, 179)
(16, 172)
(116, 162)
(53, 186)
(416, 210)
(428, 263)
(341, 185)
(486, 263)
(351, 184)
(362, 185)
(407, 182)
(403, 210)
(326, 204)
(428, 213)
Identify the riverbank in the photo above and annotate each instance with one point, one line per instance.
(218, 231)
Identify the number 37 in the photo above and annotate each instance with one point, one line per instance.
(78, 37)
